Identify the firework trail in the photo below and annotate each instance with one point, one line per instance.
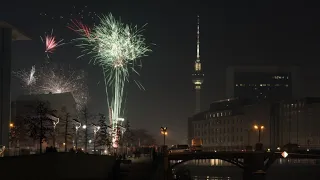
(27, 78)
(51, 43)
(115, 47)
(80, 28)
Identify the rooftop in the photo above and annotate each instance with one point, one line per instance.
(16, 34)
(59, 102)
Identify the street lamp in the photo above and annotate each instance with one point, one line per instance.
(95, 130)
(259, 128)
(77, 125)
(55, 122)
(85, 137)
(163, 131)
(11, 125)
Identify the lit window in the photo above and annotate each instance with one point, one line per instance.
(198, 66)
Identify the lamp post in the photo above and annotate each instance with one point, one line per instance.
(85, 138)
(259, 128)
(95, 130)
(11, 125)
(57, 120)
(77, 125)
(163, 131)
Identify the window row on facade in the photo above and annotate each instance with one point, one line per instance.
(217, 121)
(262, 85)
(222, 139)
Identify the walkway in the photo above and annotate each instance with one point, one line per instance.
(139, 169)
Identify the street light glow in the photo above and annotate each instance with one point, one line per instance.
(84, 126)
(11, 125)
(164, 133)
(258, 127)
(284, 154)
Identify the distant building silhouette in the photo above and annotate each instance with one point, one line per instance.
(263, 82)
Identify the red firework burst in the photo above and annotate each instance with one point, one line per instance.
(51, 43)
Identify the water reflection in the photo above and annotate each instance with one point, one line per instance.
(210, 178)
(219, 162)
(204, 162)
(216, 169)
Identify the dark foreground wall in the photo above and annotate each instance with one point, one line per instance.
(66, 166)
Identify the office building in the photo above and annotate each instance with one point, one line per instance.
(263, 82)
(229, 124)
(8, 34)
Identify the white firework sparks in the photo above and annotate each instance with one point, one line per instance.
(115, 47)
(27, 78)
(57, 80)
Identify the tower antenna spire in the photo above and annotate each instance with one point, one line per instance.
(197, 76)
(198, 38)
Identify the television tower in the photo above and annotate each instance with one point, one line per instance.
(197, 75)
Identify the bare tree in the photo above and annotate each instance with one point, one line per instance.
(141, 136)
(39, 125)
(103, 138)
(66, 131)
(85, 122)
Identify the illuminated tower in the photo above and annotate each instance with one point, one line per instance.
(197, 76)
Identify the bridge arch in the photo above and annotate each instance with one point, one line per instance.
(232, 161)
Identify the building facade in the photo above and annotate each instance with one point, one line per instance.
(229, 124)
(8, 34)
(299, 122)
(263, 82)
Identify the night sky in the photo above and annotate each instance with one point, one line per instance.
(231, 33)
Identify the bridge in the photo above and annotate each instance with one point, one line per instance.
(254, 164)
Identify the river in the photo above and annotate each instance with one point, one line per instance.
(283, 169)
